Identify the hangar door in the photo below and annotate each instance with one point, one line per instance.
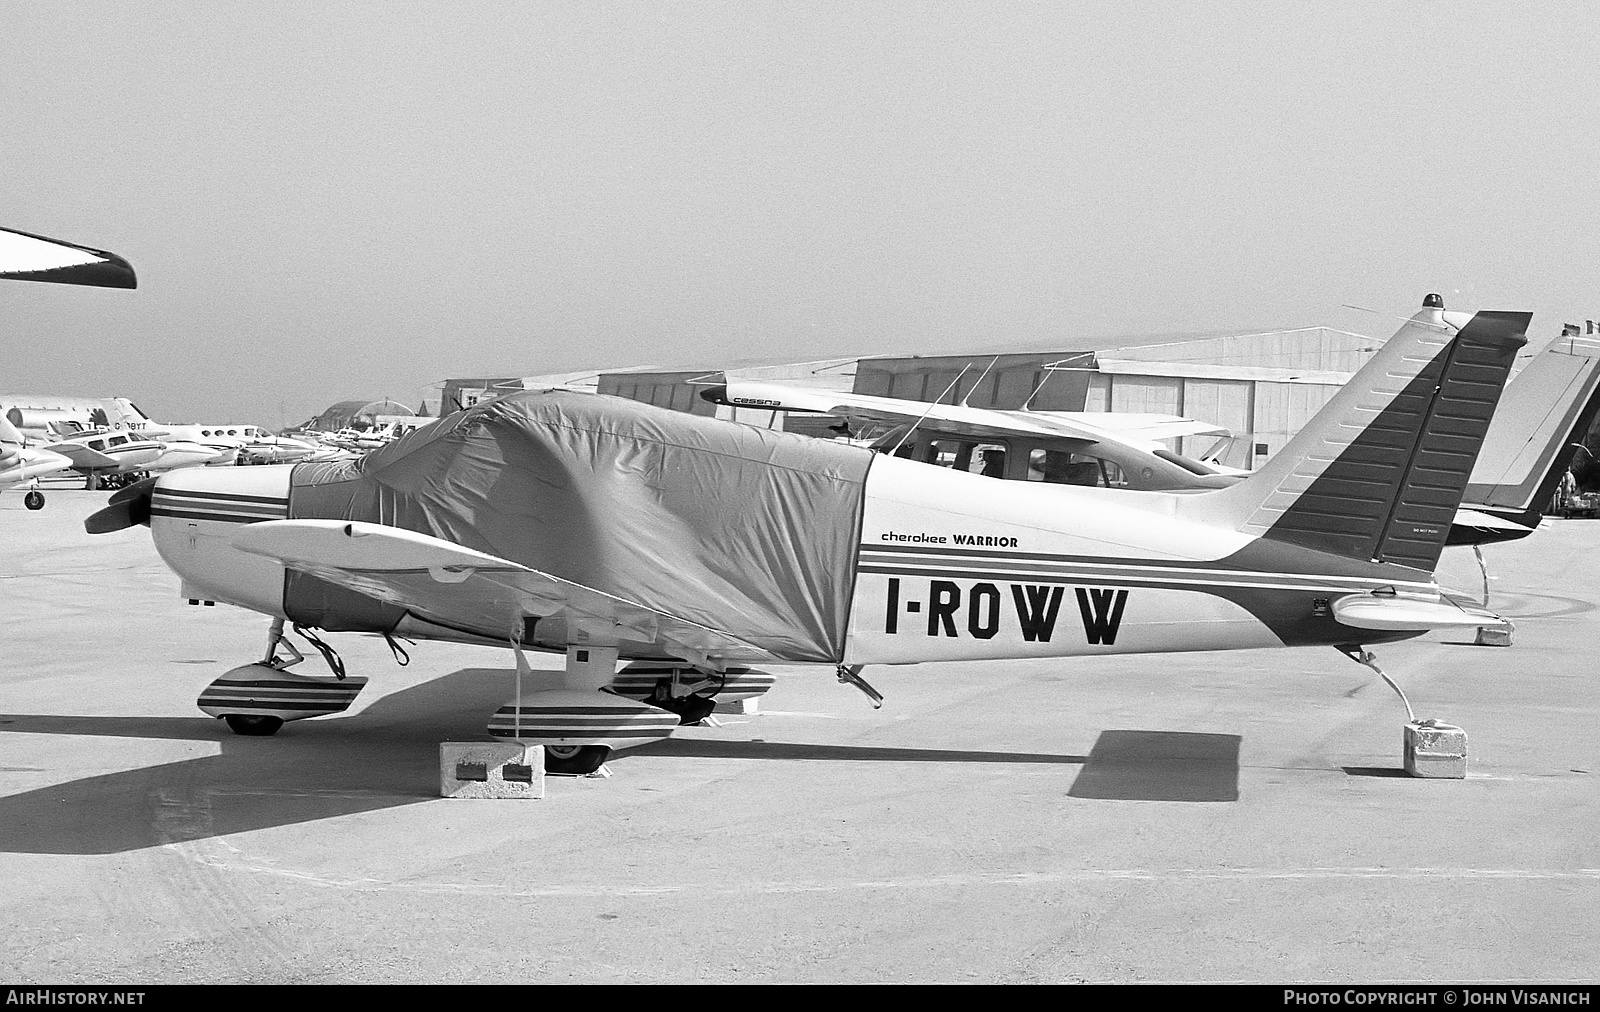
(1149, 395)
(1225, 403)
(1281, 410)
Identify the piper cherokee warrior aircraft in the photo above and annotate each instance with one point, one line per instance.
(610, 530)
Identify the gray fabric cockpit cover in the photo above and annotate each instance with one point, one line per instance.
(746, 530)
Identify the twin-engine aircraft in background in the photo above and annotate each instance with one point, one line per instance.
(608, 530)
(20, 463)
(246, 444)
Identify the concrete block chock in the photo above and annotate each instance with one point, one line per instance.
(478, 769)
(1435, 751)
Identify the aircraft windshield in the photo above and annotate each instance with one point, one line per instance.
(1188, 464)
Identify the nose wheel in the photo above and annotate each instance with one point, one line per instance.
(34, 500)
(253, 725)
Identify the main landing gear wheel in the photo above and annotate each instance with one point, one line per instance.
(573, 760)
(690, 709)
(34, 500)
(253, 725)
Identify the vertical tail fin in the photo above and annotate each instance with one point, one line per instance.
(9, 434)
(1550, 405)
(1378, 473)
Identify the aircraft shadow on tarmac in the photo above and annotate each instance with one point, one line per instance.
(1160, 766)
(387, 756)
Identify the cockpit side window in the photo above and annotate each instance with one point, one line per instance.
(1066, 468)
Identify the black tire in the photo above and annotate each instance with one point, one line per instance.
(34, 500)
(574, 760)
(690, 709)
(253, 725)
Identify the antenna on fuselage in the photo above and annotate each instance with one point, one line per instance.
(931, 403)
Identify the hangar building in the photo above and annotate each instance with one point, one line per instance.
(1261, 386)
(346, 414)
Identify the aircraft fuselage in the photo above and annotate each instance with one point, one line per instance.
(950, 566)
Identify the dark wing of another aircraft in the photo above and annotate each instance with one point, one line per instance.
(28, 257)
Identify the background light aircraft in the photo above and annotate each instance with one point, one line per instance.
(606, 530)
(108, 457)
(1076, 447)
(1541, 422)
(28, 257)
(388, 429)
(1549, 405)
(249, 444)
(19, 463)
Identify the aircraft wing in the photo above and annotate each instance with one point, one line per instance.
(82, 456)
(1142, 431)
(953, 418)
(1126, 424)
(28, 257)
(32, 466)
(444, 582)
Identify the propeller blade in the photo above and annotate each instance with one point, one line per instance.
(128, 507)
(137, 490)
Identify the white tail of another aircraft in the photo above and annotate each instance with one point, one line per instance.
(1556, 399)
(1379, 472)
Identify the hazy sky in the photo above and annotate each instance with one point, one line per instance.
(352, 200)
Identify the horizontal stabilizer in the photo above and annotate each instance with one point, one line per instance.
(1398, 614)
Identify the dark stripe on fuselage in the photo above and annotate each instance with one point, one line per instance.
(1289, 610)
(269, 500)
(227, 518)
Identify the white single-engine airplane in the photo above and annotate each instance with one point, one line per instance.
(1550, 405)
(1078, 447)
(21, 463)
(607, 530)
